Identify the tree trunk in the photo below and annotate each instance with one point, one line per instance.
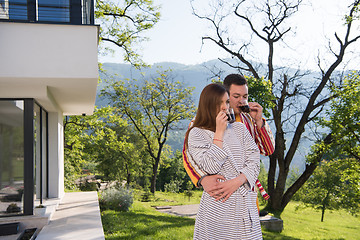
(278, 199)
(322, 213)
(154, 175)
(128, 175)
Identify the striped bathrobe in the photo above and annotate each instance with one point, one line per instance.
(237, 217)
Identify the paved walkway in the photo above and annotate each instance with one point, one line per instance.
(180, 210)
(77, 217)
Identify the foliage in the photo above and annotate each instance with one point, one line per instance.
(172, 172)
(147, 196)
(73, 149)
(188, 192)
(173, 186)
(105, 142)
(122, 24)
(89, 186)
(344, 117)
(113, 146)
(13, 208)
(334, 185)
(152, 108)
(116, 198)
(292, 177)
(260, 91)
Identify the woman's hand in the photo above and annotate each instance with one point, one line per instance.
(227, 188)
(210, 184)
(221, 123)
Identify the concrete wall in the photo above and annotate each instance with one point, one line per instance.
(56, 58)
(56, 155)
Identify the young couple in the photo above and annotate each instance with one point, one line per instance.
(224, 159)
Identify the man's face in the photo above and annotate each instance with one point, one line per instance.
(238, 93)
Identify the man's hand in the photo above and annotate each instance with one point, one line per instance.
(256, 113)
(210, 184)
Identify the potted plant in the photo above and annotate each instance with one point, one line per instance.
(40, 210)
(13, 208)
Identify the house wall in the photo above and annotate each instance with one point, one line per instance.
(56, 58)
(56, 155)
(55, 64)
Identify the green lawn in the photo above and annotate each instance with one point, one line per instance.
(144, 222)
(306, 224)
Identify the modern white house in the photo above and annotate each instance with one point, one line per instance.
(48, 69)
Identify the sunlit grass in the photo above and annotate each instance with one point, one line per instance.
(171, 199)
(144, 222)
(305, 223)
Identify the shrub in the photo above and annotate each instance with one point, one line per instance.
(13, 208)
(89, 186)
(146, 196)
(188, 192)
(116, 198)
(172, 186)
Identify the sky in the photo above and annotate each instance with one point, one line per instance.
(177, 36)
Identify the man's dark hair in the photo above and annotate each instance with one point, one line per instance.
(234, 78)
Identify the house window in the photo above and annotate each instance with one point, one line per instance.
(48, 11)
(11, 157)
(17, 10)
(54, 10)
(23, 156)
(40, 153)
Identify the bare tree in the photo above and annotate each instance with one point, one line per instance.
(297, 103)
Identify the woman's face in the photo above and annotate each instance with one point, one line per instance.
(224, 105)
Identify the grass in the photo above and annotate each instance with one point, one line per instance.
(171, 199)
(305, 224)
(144, 222)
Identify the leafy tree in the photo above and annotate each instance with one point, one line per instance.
(343, 117)
(105, 140)
(123, 22)
(152, 107)
(334, 185)
(260, 91)
(113, 146)
(73, 149)
(172, 169)
(298, 99)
